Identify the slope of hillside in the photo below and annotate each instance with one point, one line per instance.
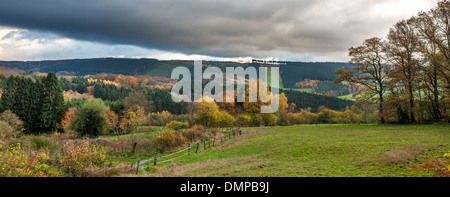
(304, 100)
(291, 72)
(294, 72)
(315, 151)
(86, 66)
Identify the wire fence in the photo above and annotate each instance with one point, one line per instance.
(166, 156)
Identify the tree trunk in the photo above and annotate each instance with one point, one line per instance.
(381, 108)
(411, 103)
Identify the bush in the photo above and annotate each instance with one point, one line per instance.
(309, 117)
(186, 118)
(12, 161)
(194, 133)
(6, 131)
(78, 157)
(206, 113)
(90, 118)
(283, 119)
(243, 119)
(15, 163)
(269, 119)
(10, 125)
(38, 143)
(156, 120)
(224, 119)
(255, 120)
(327, 116)
(440, 167)
(304, 117)
(175, 125)
(168, 139)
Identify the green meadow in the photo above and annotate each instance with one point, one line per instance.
(315, 151)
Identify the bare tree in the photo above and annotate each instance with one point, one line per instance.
(434, 28)
(402, 52)
(370, 70)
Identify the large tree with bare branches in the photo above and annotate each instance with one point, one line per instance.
(370, 70)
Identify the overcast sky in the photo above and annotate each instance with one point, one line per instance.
(305, 30)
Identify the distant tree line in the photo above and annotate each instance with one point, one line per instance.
(303, 100)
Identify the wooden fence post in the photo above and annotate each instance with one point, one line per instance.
(156, 155)
(133, 148)
(137, 168)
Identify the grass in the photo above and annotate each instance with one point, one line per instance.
(307, 90)
(347, 97)
(317, 151)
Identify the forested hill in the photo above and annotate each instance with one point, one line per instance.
(82, 67)
(291, 72)
(304, 100)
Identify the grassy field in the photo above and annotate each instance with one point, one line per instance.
(307, 90)
(317, 151)
(348, 97)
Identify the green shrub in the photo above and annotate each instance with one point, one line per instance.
(90, 118)
(38, 143)
(283, 119)
(224, 119)
(255, 120)
(175, 125)
(327, 116)
(304, 117)
(269, 119)
(243, 120)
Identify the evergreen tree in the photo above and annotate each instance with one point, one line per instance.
(39, 104)
(52, 104)
(21, 97)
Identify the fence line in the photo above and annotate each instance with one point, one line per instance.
(143, 162)
(230, 131)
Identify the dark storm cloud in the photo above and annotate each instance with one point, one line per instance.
(259, 28)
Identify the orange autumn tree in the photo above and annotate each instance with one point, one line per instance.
(120, 79)
(132, 118)
(113, 120)
(68, 117)
(255, 107)
(131, 81)
(282, 110)
(226, 105)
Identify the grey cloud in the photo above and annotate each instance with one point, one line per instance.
(226, 28)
